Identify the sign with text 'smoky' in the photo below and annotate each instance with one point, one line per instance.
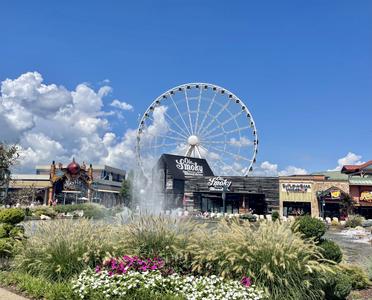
(218, 184)
(189, 167)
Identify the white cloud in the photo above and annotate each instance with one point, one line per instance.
(291, 170)
(350, 159)
(268, 169)
(50, 122)
(243, 141)
(121, 105)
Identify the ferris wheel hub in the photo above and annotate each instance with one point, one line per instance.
(193, 140)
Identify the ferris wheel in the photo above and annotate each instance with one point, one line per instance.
(199, 120)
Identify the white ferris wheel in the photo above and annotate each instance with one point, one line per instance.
(199, 120)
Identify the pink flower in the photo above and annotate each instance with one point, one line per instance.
(246, 281)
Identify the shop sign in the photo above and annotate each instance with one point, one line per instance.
(335, 194)
(73, 184)
(296, 187)
(189, 167)
(218, 184)
(366, 196)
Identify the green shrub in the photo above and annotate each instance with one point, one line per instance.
(275, 216)
(44, 210)
(357, 277)
(91, 210)
(354, 221)
(310, 227)
(17, 232)
(337, 285)
(5, 229)
(6, 247)
(277, 258)
(249, 217)
(37, 287)
(12, 215)
(60, 249)
(331, 250)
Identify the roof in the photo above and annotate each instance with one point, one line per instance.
(181, 166)
(356, 180)
(348, 169)
(95, 168)
(29, 177)
(332, 175)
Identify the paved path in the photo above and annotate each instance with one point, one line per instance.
(6, 295)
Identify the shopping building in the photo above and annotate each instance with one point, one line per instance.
(72, 183)
(318, 194)
(189, 183)
(360, 181)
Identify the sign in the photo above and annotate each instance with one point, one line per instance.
(189, 167)
(366, 196)
(335, 194)
(296, 187)
(218, 184)
(73, 184)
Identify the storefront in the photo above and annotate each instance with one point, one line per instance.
(190, 183)
(71, 183)
(296, 198)
(319, 194)
(360, 180)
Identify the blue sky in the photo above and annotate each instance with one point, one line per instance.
(304, 68)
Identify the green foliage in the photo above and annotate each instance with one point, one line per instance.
(157, 236)
(275, 216)
(126, 192)
(5, 229)
(6, 247)
(38, 287)
(354, 221)
(310, 227)
(8, 156)
(44, 210)
(94, 211)
(331, 250)
(277, 258)
(12, 215)
(17, 232)
(60, 249)
(142, 294)
(337, 285)
(249, 217)
(357, 277)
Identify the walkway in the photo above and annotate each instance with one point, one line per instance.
(6, 295)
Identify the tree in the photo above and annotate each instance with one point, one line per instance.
(126, 192)
(8, 157)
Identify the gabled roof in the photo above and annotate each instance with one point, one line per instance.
(349, 169)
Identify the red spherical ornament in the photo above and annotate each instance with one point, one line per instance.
(73, 167)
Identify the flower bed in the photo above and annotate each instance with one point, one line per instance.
(202, 287)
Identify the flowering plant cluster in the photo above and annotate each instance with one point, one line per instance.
(110, 286)
(127, 263)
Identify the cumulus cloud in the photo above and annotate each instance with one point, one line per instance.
(50, 122)
(269, 169)
(350, 159)
(121, 105)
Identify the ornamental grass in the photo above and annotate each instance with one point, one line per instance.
(277, 259)
(60, 249)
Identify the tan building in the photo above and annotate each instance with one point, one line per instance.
(315, 194)
(72, 183)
